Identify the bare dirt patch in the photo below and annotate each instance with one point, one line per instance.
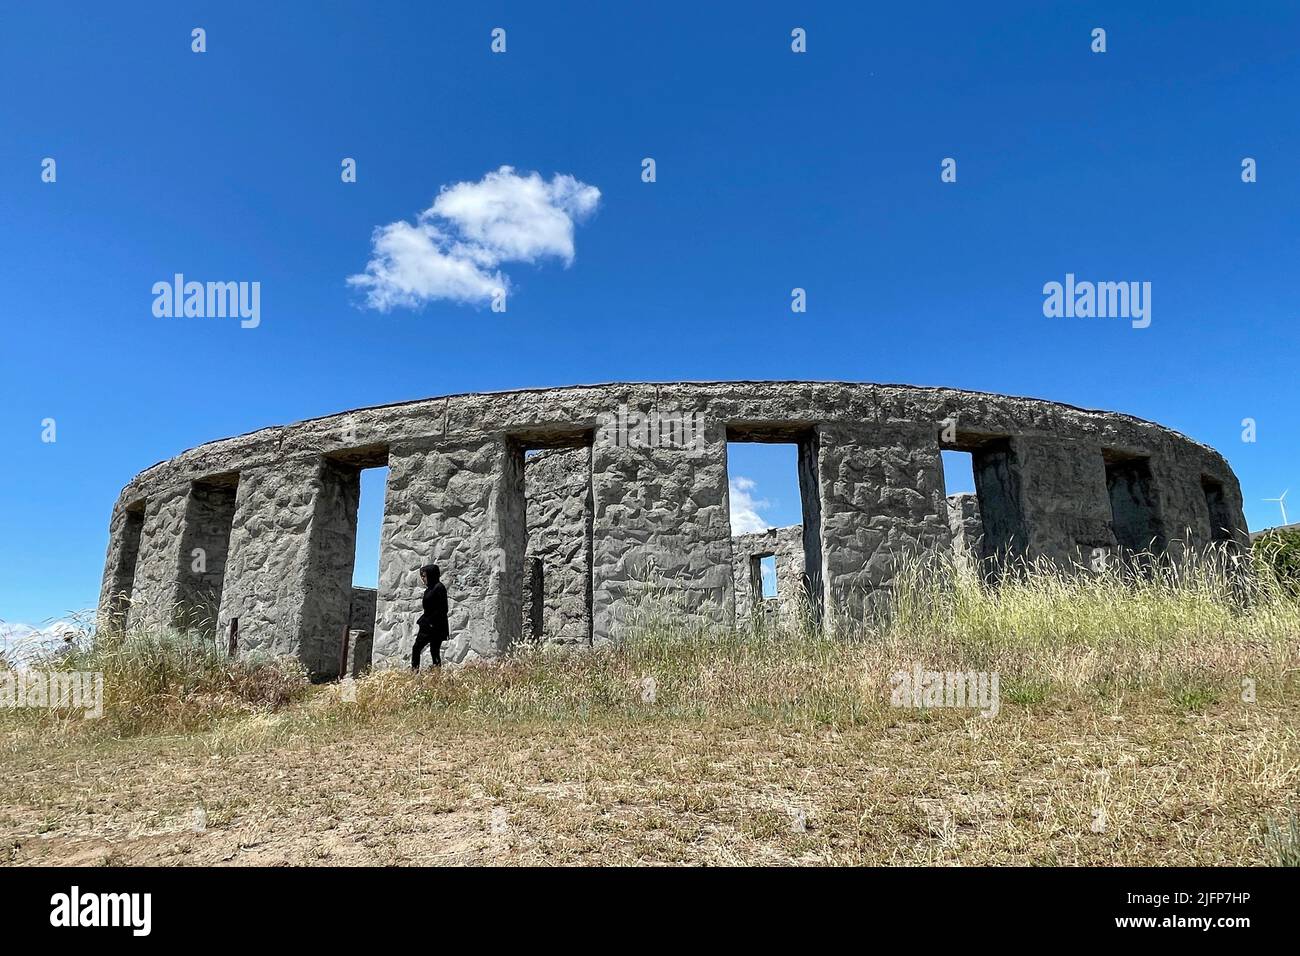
(1144, 784)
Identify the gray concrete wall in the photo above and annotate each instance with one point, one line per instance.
(882, 499)
(362, 617)
(786, 545)
(205, 541)
(1065, 503)
(452, 504)
(661, 524)
(869, 474)
(288, 572)
(557, 560)
(158, 569)
(966, 525)
(125, 531)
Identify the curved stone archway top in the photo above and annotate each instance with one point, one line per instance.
(556, 510)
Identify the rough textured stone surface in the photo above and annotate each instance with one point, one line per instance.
(361, 645)
(331, 552)
(870, 477)
(661, 525)
(1065, 504)
(459, 506)
(786, 545)
(158, 566)
(557, 561)
(748, 550)
(361, 631)
(998, 487)
(1134, 506)
(882, 499)
(119, 566)
(205, 540)
(289, 568)
(362, 617)
(966, 525)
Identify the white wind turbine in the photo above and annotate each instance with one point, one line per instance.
(1281, 503)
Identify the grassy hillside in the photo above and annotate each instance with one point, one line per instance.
(1146, 718)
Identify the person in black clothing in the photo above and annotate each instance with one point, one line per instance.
(432, 624)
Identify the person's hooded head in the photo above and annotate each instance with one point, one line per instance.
(429, 573)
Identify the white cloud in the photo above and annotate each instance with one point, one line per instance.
(745, 507)
(411, 265)
(514, 218)
(453, 249)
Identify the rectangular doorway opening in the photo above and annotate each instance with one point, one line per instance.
(555, 531)
(364, 596)
(1134, 510)
(338, 617)
(209, 518)
(965, 521)
(775, 514)
(990, 521)
(123, 583)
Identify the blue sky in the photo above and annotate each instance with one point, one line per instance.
(775, 170)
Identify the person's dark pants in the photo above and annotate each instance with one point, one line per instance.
(435, 648)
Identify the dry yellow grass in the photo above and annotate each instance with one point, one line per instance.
(1143, 783)
(1139, 724)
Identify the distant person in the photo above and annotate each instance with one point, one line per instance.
(432, 624)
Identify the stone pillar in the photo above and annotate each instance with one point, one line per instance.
(359, 653)
(742, 581)
(205, 540)
(1233, 513)
(881, 493)
(966, 525)
(1064, 500)
(791, 591)
(661, 529)
(1185, 502)
(328, 588)
(361, 631)
(786, 545)
(557, 572)
(1182, 500)
(460, 506)
(363, 610)
(997, 487)
(289, 569)
(158, 566)
(124, 533)
(757, 603)
(810, 498)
